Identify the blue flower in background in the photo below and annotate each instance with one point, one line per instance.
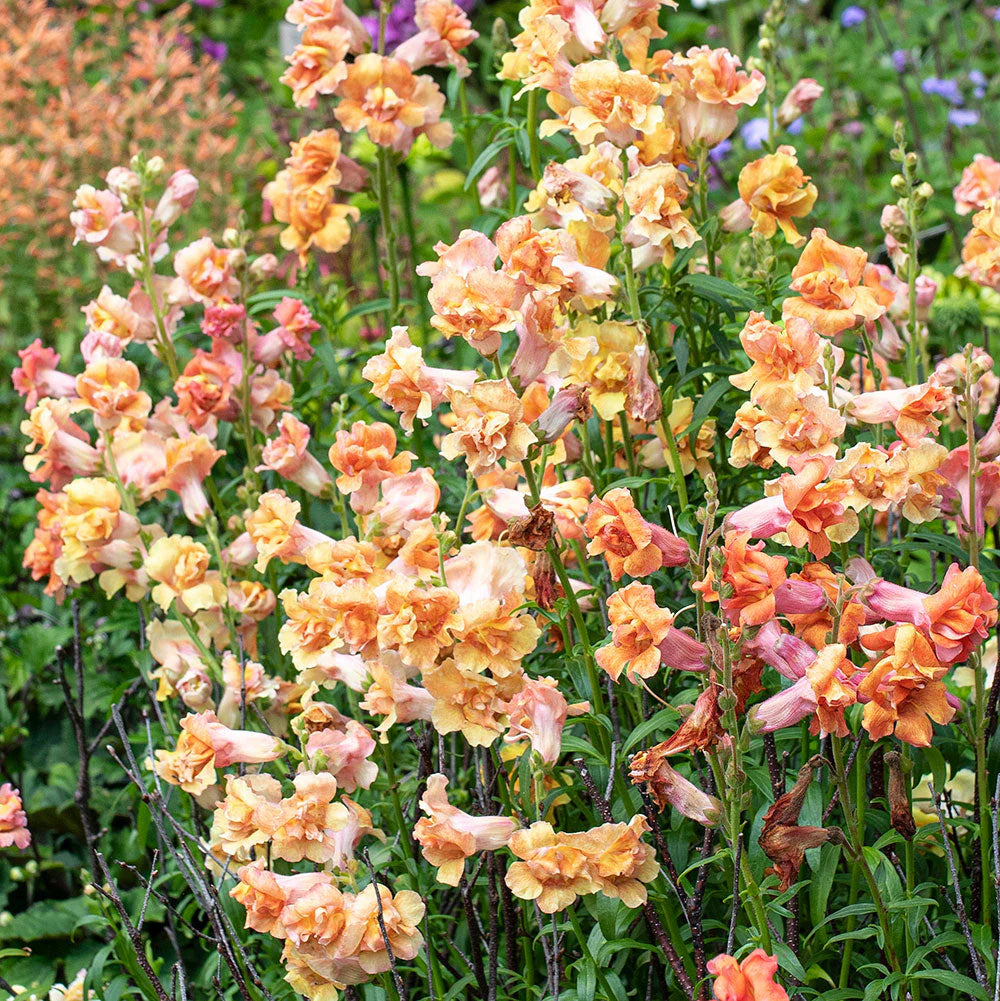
(948, 89)
(852, 16)
(718, 153)
(217, 50)
(754, 133)
(899, 60)
(963, 117)
(400, 24)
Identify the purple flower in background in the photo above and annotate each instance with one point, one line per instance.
(852, 16)
(754, 133)
(400, 24)
(899, 60)
(718, 153)
(217, 50)
(963, 117)
(948, 89)
(208, 3)
(795, 129)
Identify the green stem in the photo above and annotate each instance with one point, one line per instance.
(397, 807)
(467, 136)
(383, 170)
(531, 124)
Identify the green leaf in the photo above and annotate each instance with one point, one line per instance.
(721, 292)
(950, 978)
(706, 405)
(484, 158)
(661, 719)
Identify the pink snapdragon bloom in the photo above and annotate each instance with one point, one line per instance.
(286, 455)
(980, 182)
(100, 221)
(444, 31)
(177, 197)
(13, 819)
(799, 101)
(682, 652)
(538, 712)
(390, 695)
(37, 375)
(668, 787)
(330, 14)
(955, 497)
(347, 754)
(955, 619)
(785, 652)
(786, 708)
(225, 321)
(448, 835)
(406, 499)
(295, 326)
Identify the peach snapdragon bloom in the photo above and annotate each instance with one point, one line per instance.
(312, 218)
(109, 389)
(903, 687)
(390, 695)
(186, 464)
(979, 184)
(317, 64)
(788, 354)
(307, 819)
(59, 450)
(657, 224)
(205, 745)
(400, 915)
(101, 222)
(776, 191)
(981, 247)
(448, 836)
(489, 426)
(205, 392)
(838, 289)
(910, 409)
(620, 861)
(637, 626)
(784, 427)
(383, 96)
(365, 456)
(799, 101)
(749, 980)
(286, 455)
(116, 316)
(334, 13)
(606, 104)
(180, 567)
(275, 532)
(326, 619)
(402, 381)
(345, 752)
(466, 702)
(13, 820)
(417, 622)
(470, 298)
(554, 869)
(712, 90)
(38, 377)
(540, 56)
(831, 677)
(444, 30)
(753, 577)
(244, 683)
(247, 816)
(630, 544)
(204, 274)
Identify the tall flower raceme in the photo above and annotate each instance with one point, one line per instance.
(465, 678)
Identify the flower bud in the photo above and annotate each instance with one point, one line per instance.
(264, 267)
(898, 184)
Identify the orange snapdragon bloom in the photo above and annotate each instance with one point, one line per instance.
(751, 980)
(287, 455)
(109, 388)
(448, 836)
(247, 816)
(776, 191)
(13, 820)
(904, 687)
(365, 456)
(275, 532)
(607, 104)
(204, 745)
(637, 628)
(312, 217)
(838, 289)
(830, 677)
(540, 57)
(630, 544)
(205, 392)
(383, 96)
(186, 463)
(307, 819)
(400, 915)
(488, 426)
(62, 449)
(754, 576)
(620, 861)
